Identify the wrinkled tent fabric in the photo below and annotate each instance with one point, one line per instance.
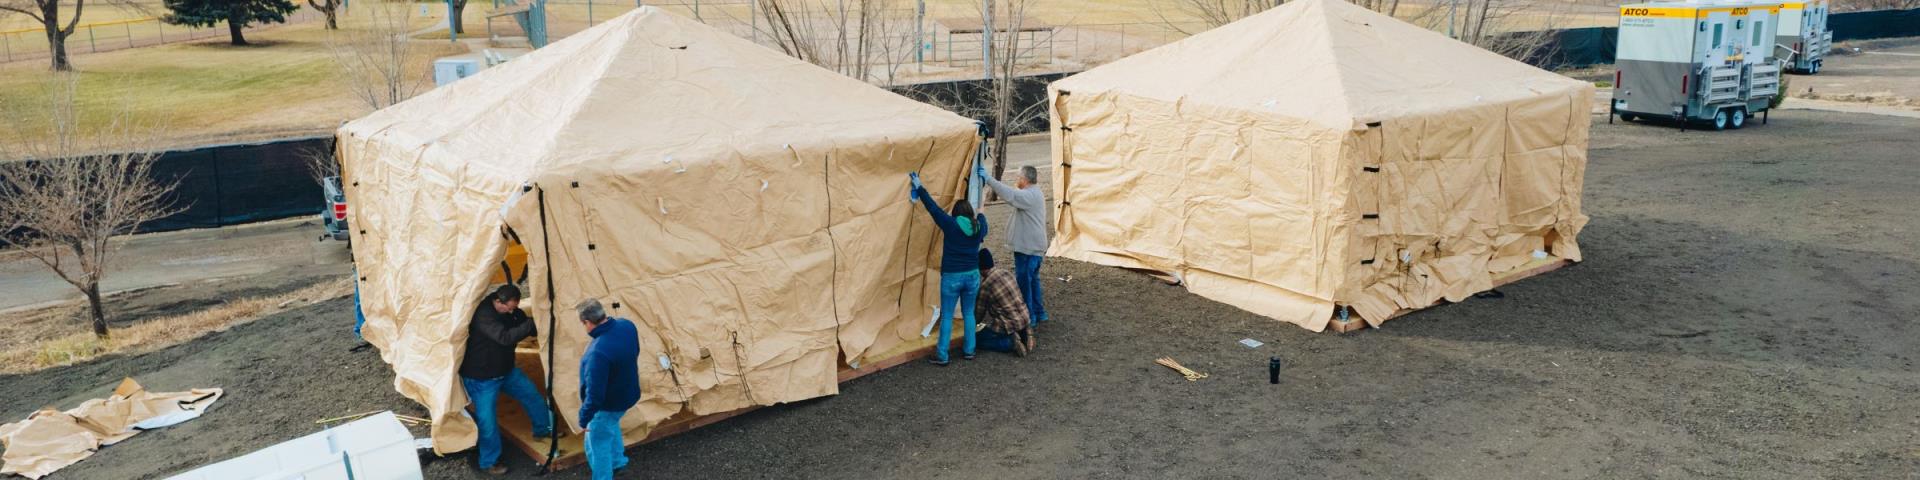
(50, 440)
(748, 211)
(1319, 154)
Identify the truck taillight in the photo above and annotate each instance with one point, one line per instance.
(1616, 79)
(1683, 85)
(339, 211)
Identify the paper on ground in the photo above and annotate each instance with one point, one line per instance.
(50, 440)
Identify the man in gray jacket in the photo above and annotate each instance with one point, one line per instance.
(1027, 233)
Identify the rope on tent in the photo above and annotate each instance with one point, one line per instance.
(833, 282)
(906, 260)
(553, 405)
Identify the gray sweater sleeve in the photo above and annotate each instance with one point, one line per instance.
(1019, 199)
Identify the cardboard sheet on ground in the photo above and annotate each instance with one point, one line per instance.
(1317, 155)
(748, 211)
(49, 440)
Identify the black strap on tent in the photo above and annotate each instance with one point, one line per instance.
(553, 405)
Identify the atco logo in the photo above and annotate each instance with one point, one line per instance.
(1740, 11)
(1636, 11)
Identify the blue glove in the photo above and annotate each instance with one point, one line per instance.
(913, 178)
(981, 170)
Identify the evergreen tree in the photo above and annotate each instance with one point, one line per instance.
(237, 13)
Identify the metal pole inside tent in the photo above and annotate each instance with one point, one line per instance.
(453, 34)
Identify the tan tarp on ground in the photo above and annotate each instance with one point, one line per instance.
(1241, 160)
(747, 210)
(49, 440)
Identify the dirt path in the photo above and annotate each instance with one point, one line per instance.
(1746, 312)
(182, 257)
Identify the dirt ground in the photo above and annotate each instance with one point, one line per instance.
(1746, 311)
(1880, 72)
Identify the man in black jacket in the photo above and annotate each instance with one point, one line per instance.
(488, 369)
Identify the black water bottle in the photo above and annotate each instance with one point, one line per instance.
(1273, 370)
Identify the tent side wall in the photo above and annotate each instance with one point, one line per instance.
(745, 293)
(427, 237)
(1461, 196)
(1241, 206)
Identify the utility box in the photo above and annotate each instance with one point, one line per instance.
(1696, 62)
(447, 70)
(1804, 37)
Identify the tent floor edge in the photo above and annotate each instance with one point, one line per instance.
(1528, 270)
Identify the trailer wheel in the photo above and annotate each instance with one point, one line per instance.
(1720, 120)
(1628, 117)
(1739, 119)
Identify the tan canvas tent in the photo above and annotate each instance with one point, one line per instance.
(1319, 155)
(748, 211)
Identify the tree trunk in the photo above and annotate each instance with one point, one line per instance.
(56, 39)
(454, 16)
(57, 44)
(236, 23)
(99, 312)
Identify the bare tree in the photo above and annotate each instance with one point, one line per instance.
(864, 39)
(73, 190)
(330, 8)
(1517, 29)
(376, 57)
(1211, 13)
(1011, 45)
(47, 14)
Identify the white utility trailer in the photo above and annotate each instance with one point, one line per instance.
(1708, 62)
(1804, 37)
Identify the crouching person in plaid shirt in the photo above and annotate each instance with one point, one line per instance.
(1006, 324)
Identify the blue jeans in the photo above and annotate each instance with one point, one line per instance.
(484, 391)
(1026, 272)
(963, 288)
(606, 451)
(358, 317)
(996, 341)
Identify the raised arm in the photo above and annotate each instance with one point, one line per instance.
(940, 217)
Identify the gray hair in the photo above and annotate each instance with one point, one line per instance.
(591, 311)
(1032, 174)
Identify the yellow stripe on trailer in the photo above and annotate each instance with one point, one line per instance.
(1683, 12)
(1658, 12)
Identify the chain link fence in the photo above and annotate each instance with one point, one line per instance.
(31, 43)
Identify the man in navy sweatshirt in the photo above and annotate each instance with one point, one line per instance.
(959, 266)
(609, 385)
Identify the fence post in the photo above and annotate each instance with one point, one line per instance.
(129, 26)
(696, 12)
(8, 41)
(91, 45)
(162, 26)
(589, 13)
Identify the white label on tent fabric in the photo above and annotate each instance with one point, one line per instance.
(665, 363)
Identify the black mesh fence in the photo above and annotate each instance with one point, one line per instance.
(232, 184)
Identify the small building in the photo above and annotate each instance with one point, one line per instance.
(1711, 63)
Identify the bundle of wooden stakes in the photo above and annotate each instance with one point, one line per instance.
(1184, 371)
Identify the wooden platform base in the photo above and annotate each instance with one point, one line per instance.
(517, 431)
(1529, 269)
